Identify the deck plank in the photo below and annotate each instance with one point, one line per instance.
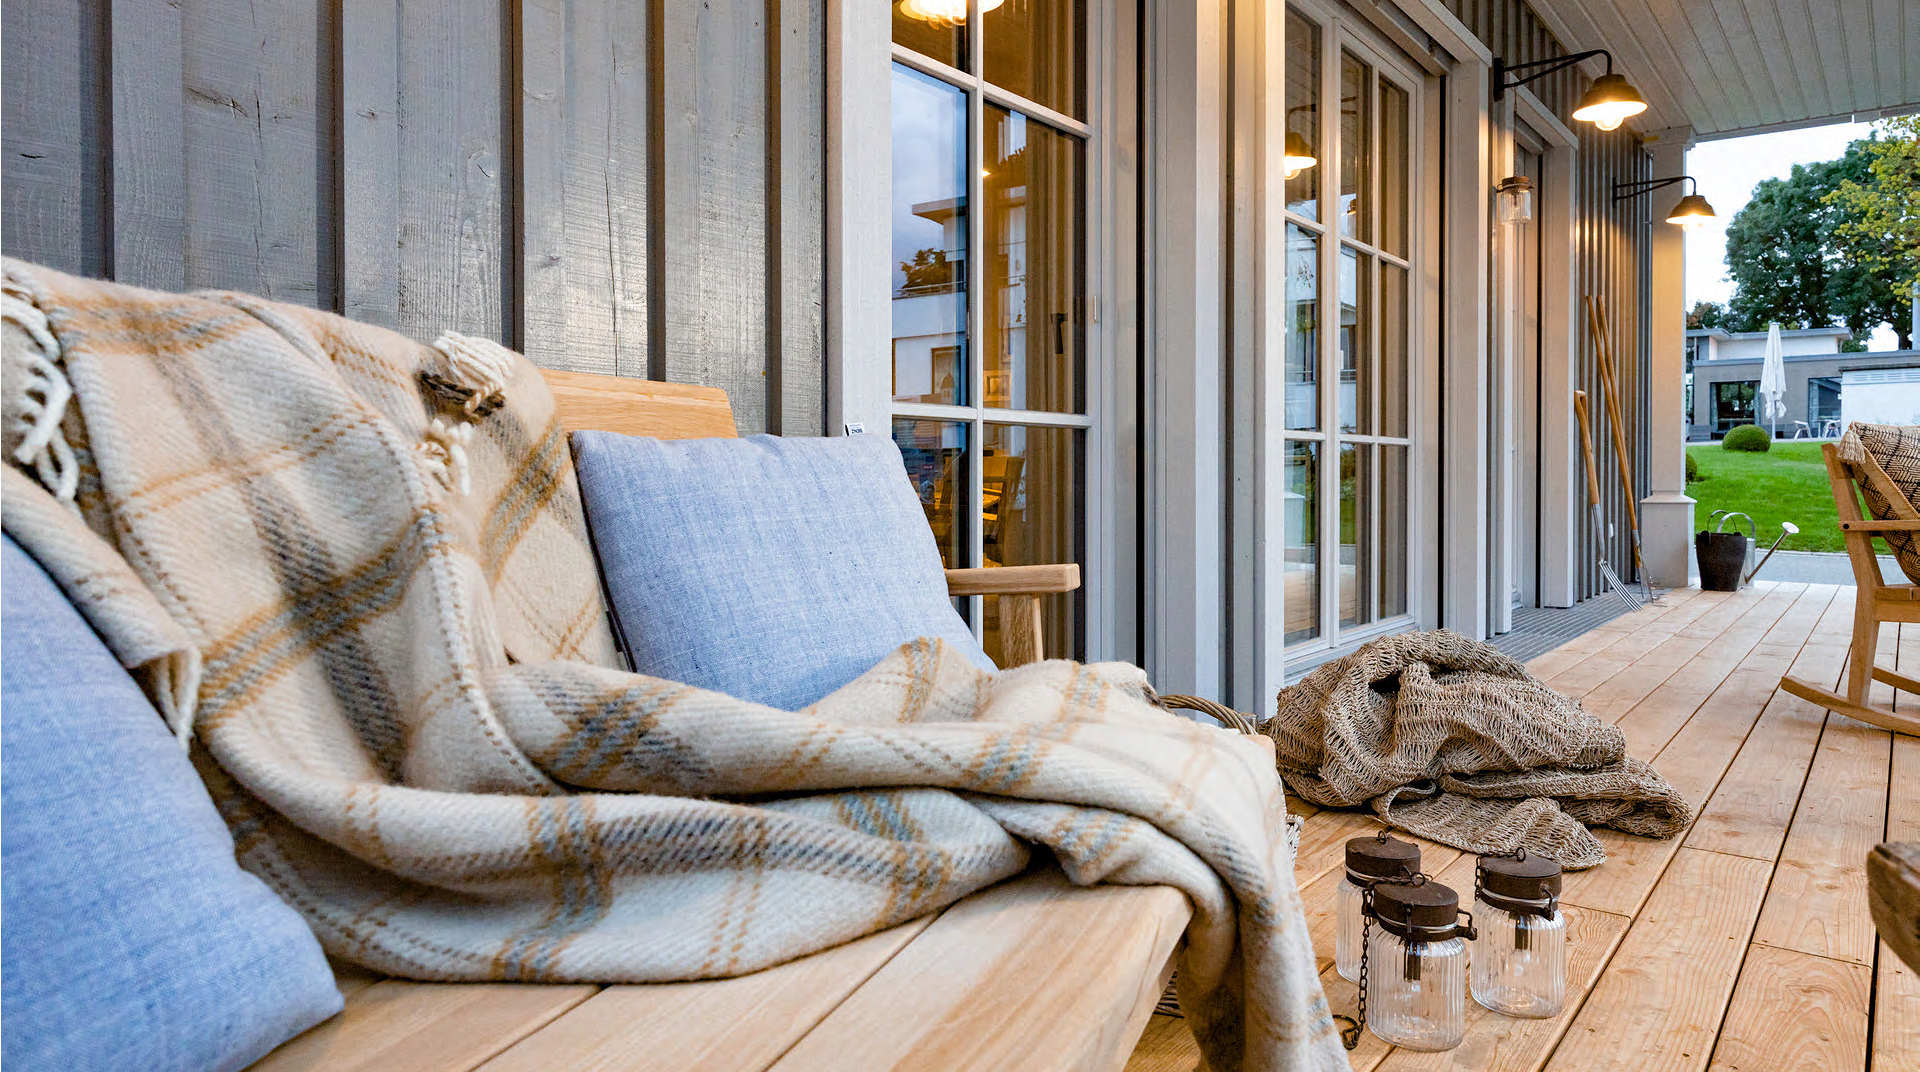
(1690, 659)
(1795, 1010)
(1896, 992)
(1658, 1004)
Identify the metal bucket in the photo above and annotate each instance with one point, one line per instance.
(1722, 556)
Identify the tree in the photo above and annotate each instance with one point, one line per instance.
(1880, 221)
(1707, 314)
(1776, 252)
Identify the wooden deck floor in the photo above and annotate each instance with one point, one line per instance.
(1744, 944)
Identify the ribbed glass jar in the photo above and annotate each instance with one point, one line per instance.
(1519, 961)
(1416, 991)
(1368, 859)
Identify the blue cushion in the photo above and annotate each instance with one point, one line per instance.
(775, 570)
(132, 939)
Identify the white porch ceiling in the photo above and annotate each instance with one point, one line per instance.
(1727, 67)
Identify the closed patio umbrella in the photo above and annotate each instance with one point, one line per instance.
(1773, 380)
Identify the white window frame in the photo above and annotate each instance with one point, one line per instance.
(1341, 30)
(860, 58)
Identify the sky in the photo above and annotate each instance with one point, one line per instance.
(1727, 172)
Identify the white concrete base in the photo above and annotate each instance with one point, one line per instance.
(1666, 537)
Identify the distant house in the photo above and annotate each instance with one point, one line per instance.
(1723, 379)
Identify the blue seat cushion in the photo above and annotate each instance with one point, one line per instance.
(132, 938)
(771, 569)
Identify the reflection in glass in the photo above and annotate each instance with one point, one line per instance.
(1356, 536)
(931, 28)
(936, 457)
(929, 218)
(1393, 531)
(1393, 350)
(1302, 329)
(1356, 149)
(1303, 110)
(1031, 185)
(1356, 343)
(1037, 48)
(1301, 520)
(1031, 491)
(1394, 152)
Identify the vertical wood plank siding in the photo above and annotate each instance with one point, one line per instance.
(1611, 261)
(503, 169)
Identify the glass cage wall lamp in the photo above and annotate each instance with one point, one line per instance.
(1610, 101)
(1691, 213)
(1516, 199)
(944, 12)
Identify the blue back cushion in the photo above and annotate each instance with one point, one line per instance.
(132, 938)
(775, 570)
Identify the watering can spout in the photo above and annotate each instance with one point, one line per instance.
(1787, 528)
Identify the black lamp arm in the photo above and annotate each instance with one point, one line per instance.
(1501, 69)
(1624, 190)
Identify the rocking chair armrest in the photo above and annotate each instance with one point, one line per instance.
(1013, 580)
(1876, 525)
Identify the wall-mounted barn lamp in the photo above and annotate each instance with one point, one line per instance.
(1692, 212)
(1610, 101)
(943, 12)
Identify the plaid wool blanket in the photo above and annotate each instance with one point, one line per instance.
(356, 570)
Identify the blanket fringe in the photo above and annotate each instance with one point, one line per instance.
(481, 366)
(445, 449)
(45, 397)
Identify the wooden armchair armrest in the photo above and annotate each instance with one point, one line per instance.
(1869, 525)
(1013, 580)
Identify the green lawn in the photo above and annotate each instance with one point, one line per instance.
(1787, 483)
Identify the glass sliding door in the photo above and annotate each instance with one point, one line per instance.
(988, 217)
(1348, 465)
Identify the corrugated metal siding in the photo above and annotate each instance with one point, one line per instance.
(1611, 260)
(632, 188)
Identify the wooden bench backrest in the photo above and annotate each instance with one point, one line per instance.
(592, 403)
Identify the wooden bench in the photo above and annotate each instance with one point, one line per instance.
(1032, 974)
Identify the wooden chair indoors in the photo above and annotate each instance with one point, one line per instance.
(1878, 601)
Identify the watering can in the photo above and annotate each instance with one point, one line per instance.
(1722, 554)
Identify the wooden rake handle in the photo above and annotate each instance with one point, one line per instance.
(1597, 324)
(1586, 448)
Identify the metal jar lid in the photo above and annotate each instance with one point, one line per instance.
(1370, 859)
(1422, 910)
(1521, 882)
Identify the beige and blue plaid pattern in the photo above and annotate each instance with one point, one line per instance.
(409, 716)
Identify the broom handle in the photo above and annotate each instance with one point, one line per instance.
(1586, 448)
(1598, 322)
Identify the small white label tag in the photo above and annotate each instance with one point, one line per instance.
(854, 428)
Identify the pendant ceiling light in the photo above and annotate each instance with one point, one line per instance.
(1610, 101)
(943, 12)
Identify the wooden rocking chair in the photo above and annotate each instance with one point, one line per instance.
(1878, 601)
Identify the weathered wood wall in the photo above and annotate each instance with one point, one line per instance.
(617, 186)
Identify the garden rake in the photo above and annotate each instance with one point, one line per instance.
(1619, 587)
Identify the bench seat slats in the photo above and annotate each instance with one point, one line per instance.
(399, 1026)
(1035, 974)
(744, 1023)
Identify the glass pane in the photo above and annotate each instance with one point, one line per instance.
(1356, 342)
(1031, 183)
(1356, 147)
(936, 457)
(1393, 551)
(1356, 534)
(1302, 524)
(1303, 329)
(1031, 491)
(1037, 48)
(1303, 114)
(1393, 350)
(929, 240)
(934, 28)
(1394, 154)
